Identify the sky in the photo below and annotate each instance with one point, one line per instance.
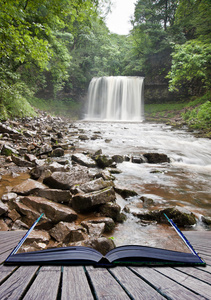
(119, 20)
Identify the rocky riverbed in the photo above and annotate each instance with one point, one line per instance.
(43, 170)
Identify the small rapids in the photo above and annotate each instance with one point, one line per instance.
(185, 181)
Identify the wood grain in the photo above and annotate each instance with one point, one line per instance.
(75, 284)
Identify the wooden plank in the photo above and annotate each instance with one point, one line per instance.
(199, 274)
(202, 252)
(46, 284)
(4, 255)
(75, 284)
(167, 287)
(15, 286)
(207, 259)
(135, 286)
(195, 285)
(205, 269)
(105, 286)
(5, 271)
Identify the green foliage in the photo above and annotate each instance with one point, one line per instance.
(190, 65)
(191, 60)
(199, 117)
(164, 107)
(65, 107)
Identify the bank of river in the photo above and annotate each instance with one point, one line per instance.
(184, 181)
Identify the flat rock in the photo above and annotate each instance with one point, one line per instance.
(86, 202)
(14, 215)
(125, 193)
(38, 236)
(27, 187)
(20, 162)
(60, 196)
(30, 215)
(84, 160)
(54, 211)
(91, 186)
(66, 180)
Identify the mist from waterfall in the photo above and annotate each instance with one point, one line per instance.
(116, 98)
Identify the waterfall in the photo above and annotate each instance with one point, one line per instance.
(116, 98)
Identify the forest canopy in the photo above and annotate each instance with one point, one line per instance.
(51, 49)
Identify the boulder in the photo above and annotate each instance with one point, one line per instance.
(108, 223)
(86, 202)
(8, 129)
(9, 197)
(206, 220)
(66, 180)
(30, 215)
(147, 201)
(84, 160)
(138, 159)
(40, 171)
(14, 215)
(56, 212)
(111, 210)
(125, 193)
(179, 215)
(102, 244)
(8, 150)
(38, 236)
(22, 162)
(3, 208)
(67, 233)
(83, 137)
(57, 167)
(156, 158)
(94, 230)
(28, 187)
(60, 196)
(91, 186)
(58, 152)
(3, 226)
(44, 149)
(103, 161)
(118, 158)
(19, 225)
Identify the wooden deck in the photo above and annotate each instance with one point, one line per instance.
(84, 283)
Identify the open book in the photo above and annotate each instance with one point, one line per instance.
(123, 255)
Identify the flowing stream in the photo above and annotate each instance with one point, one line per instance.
(185, 181)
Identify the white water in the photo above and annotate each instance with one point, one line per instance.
(116, 98)
(185, 181)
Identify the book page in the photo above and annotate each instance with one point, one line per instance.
(161, 236)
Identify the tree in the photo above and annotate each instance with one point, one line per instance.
(191, 64)
(34, 38)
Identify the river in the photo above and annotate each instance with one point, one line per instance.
(185, 181)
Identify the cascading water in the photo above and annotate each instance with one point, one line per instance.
(116, 98)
